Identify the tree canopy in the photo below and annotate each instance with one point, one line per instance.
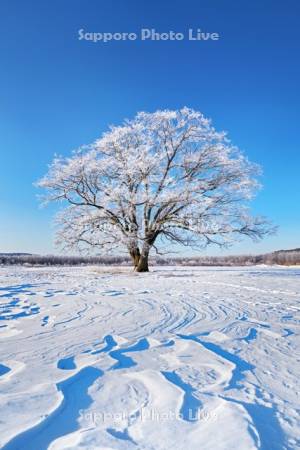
(163, 177)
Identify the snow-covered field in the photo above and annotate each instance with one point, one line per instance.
(180, 358)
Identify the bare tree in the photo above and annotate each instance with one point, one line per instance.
(161, 177)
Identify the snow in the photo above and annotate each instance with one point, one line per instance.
(185, 358)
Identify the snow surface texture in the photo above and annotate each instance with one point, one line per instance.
(180, 358)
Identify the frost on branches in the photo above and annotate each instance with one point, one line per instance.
(159, 178)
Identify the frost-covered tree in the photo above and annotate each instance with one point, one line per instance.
(162, 177)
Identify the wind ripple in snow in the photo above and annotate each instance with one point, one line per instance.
(188, 340)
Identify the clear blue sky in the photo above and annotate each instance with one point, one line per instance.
(57, 93)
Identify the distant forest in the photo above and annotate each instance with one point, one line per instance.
(281, 257)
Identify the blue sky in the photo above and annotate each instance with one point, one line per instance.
(57, 93)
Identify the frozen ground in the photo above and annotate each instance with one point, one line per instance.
(185, 359)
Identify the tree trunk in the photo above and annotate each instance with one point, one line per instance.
(135, 255)
(143, 263)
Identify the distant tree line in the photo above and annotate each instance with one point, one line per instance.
(282, 257)
(53, 260)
